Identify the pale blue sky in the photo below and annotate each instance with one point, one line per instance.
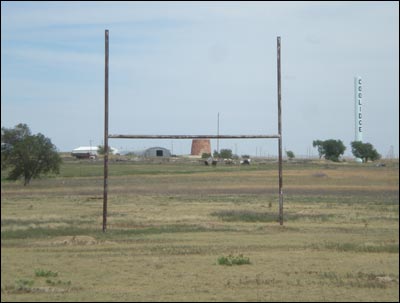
(175, 65)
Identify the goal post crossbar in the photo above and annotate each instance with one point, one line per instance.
(194, 136)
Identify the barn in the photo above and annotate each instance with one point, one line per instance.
(153, 152)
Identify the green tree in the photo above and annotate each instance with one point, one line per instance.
(364, 151)
(216, 154)
(330, 149)
(28, 156)
(226, 153)
(333, 149)
(318, 144)
(290, 154)
(101, 150)
(205, 155)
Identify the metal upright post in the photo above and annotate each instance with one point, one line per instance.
(218, 134)
(280, 131)
(105, 193)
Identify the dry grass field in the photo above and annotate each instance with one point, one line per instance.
(187, 232)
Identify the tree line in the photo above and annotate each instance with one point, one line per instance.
(333, 149)
(27, 156)
(329, 149)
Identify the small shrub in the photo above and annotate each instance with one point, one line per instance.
(59, 282)
(233, 260)
(205, 155)
(45, 273)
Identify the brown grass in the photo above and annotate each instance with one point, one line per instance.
(339, 241)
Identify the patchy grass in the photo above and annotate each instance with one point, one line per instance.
(175, 222)
(358, 247)
(45, 273)
(245, 216)
(253, 216)
(40, 233)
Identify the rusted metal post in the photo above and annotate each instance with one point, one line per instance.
(280, 131)
(193, 136)
(105, 192)
(218, 134)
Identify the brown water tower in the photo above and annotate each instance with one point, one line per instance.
(200, 146)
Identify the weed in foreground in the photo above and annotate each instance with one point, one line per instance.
(45, 273)
(233, 260)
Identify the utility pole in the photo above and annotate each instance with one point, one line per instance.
(218, 134)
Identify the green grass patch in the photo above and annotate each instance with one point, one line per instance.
(233, 260)
(95, 169)
(253, 216)
(58, 283)
(33, 233)
(245, 216)
(357, 247)
(45, 273)
(113, 234)
(27, 222)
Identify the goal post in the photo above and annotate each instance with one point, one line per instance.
(132, 136)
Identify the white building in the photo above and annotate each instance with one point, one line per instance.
(83, 152)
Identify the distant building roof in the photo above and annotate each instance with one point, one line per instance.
(153, 152)
(91, 149)
(86, 148)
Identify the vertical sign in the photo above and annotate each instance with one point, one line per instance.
(358, 108)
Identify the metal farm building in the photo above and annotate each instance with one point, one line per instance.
(154, 152)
